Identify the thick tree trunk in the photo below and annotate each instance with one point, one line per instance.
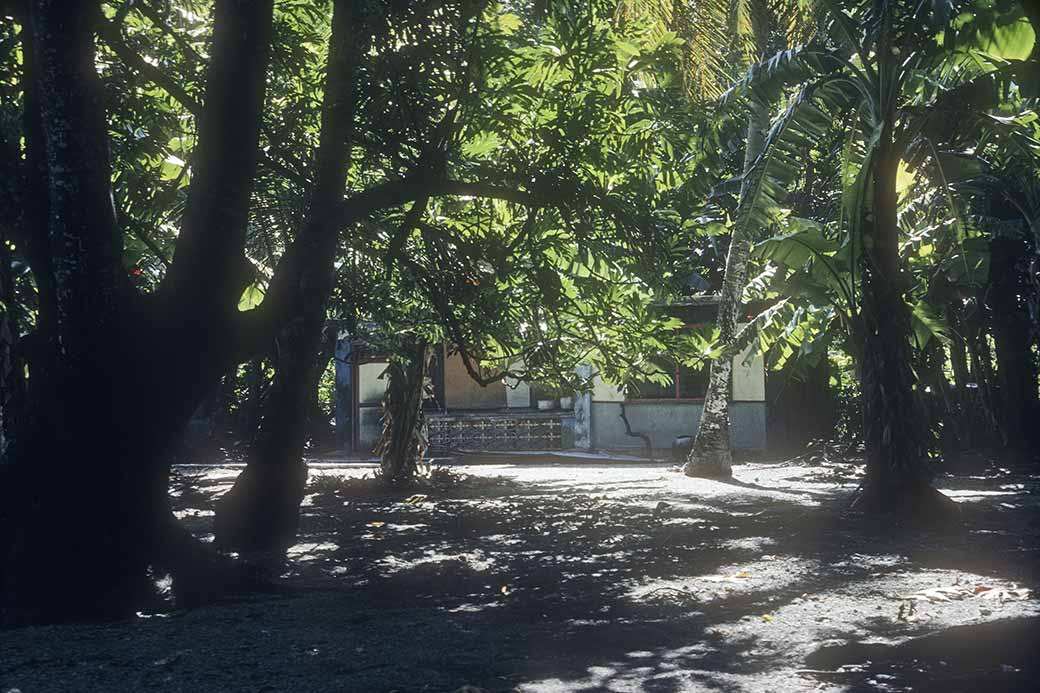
(711, 456)
(894, 425)
(898, 478)
(261, 511)
(64, 513)
(83, 492)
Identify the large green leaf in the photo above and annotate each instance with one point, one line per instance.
(927, 325)
(806, 241)
(1007, 38)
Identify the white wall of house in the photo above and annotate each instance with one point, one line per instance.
(663, 420)
(749, 377)
(518, 392)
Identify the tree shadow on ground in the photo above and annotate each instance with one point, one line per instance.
(995, 656)
(598, 579)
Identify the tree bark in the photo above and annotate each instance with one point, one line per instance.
(894, 423)
(12, 367)
(261, 511)
(711, 456)
(403, 442)
(898, 474)
(39, 544)
(1019, 407)
(83, 492)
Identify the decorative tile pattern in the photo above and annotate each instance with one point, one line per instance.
(494, 432)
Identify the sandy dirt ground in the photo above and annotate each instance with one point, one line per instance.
(586, 574)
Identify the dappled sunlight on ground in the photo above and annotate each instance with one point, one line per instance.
(593, 576)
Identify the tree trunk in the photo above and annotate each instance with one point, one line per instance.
(12, 367)
(320, 431)
(403, 442)
(261, 511)
(1018, 405)
(92, 517)
(711, 456)
(898, 476)
(83, 491)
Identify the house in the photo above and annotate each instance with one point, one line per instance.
(501, 416)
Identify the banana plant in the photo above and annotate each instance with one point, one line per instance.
(892, 76)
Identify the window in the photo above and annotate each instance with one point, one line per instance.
(688, 383)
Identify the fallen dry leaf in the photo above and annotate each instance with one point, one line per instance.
(966, 591)
(740, 576)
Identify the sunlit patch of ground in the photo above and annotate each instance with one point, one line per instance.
(587, 575)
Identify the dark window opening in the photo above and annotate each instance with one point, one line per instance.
(688, 382)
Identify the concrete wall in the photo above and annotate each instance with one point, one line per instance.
(518, 392)
(749, 377)
(663, 421)
(602, 391)
(462, 392)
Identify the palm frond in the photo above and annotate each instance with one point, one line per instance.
(801, 124)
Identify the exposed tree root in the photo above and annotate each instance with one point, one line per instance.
(913, 503)
(202, 575)
(713, 465)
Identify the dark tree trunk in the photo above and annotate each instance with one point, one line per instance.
(39, 348)
(82, 524)
(261, 511)
(1016, 382)
(320, 430)
(12, 367)
(403, 442)
(896, 447)
(83, 493)
(898, 475)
